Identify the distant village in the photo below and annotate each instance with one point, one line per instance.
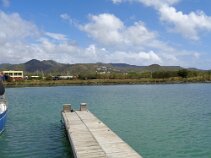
(110, 72)
(14, 75)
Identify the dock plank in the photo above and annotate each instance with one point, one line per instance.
(91, 138)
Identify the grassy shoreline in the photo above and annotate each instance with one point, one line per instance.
(41, 83)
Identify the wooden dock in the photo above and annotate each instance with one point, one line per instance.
(91, 138)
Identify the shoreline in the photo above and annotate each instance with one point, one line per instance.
(99, 82)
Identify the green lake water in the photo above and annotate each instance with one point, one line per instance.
(158, 121)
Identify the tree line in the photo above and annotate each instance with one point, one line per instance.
(183, 73)
(175, 75)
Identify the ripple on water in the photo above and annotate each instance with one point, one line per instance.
(158, 121)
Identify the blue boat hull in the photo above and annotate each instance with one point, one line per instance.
(2, 121)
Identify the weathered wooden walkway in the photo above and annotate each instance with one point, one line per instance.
(91, 138)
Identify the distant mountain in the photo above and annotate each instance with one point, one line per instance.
(123, 65)
(45, 65)
(156, 67)
(5, 66)
(11, 67)
(50, 66)
(35, 65)
(195, 69)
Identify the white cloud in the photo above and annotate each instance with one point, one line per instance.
(105, 28)
(13, 27)
(159, 3)
(138, 58)
(131, 44)
(188, 25)
(110, 30)
(65, 16)
(117, 1)
(150, 57)
(56, 36)
(153, 3)
(138, 34)
(91, 50)
(22, 40)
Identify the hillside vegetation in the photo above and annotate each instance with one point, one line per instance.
(102, 73)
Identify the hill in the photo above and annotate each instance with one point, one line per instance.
(53, 67)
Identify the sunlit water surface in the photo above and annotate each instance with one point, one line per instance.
(158, 121)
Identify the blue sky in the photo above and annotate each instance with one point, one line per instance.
(140, 32)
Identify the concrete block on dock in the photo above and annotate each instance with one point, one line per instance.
(67, 108)
(83, 107)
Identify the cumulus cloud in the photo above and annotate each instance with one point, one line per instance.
(188, 25)
(131, 44)
(150, 56)
(13, 27)
(105, 28)
(138, 34)
(158, 3)
(138, 58)
(134, 44)
(22, 40)
(110, 30)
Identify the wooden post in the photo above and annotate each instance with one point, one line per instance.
(83, 107)
(67, 107)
